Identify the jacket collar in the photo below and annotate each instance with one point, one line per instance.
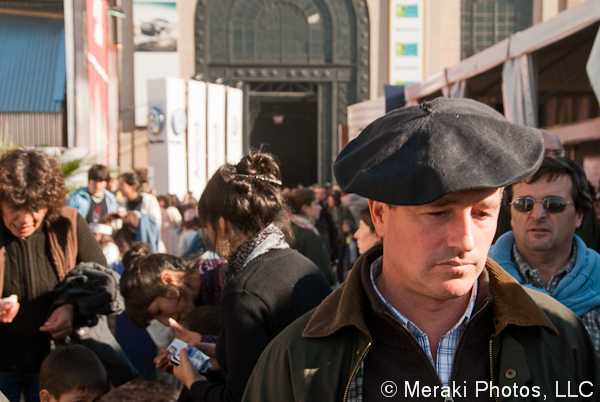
(345, 306)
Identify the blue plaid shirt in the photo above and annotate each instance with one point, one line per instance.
(448, 343)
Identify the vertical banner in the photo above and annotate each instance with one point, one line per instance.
(155, 41)
(406, 41)
(97, 56)
(215, 127)
(167, 127)
(235, 106)
(196, 135)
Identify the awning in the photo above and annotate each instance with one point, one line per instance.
(524, 42)
(32, 64)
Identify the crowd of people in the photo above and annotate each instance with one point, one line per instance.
(317, 292)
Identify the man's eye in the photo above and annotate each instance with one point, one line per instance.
(482, 214)
(438, 213)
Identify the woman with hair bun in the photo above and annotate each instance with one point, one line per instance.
(267, 284)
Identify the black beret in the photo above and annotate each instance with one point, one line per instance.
(418, 154)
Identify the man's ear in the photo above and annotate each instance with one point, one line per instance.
(378, 216)
(45, 396)
(579, 219)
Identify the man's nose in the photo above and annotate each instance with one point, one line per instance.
(461, 236)
(538, 211)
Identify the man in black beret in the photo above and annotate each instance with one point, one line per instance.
(426, 315)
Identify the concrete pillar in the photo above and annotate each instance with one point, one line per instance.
(186, 15)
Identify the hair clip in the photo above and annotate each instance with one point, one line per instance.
(259, 177)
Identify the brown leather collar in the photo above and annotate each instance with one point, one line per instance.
(345, 306)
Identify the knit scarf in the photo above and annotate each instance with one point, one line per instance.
(579, 290)
(269, 238)
(304, 222)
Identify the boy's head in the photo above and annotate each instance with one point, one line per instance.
(72, 374)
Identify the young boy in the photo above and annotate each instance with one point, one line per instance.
(72, 374)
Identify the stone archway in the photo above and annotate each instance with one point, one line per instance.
(321, 42)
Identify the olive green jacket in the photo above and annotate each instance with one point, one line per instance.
(537, 341)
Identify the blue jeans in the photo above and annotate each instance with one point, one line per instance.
(13, 385)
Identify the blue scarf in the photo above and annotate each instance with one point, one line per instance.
(579, 290)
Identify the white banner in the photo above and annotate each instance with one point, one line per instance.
(215, 128)
(167, 144)
(406, 41)
(235, 106)
(155, 55)
(196, 137)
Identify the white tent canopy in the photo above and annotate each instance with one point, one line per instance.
(506, 74)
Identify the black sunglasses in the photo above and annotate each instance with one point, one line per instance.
(552, 205)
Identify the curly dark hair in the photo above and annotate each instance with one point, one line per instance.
(32, 179)
(248, 195)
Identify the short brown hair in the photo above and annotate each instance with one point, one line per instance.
(99, 173)
(248, 195)
(30, 178)
(73, 368)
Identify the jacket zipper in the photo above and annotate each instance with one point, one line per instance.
(360, 359)
(492, 371)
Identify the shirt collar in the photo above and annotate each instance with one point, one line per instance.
(376, 268)
(531, 275)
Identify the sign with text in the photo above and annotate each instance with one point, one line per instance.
(406, 41)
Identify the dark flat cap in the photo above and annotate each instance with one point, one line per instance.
(418, 154)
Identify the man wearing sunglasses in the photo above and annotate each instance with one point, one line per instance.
(426, 316)
(543, 251)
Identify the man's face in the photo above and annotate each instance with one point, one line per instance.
(436, 251)
(540, 231)
(96, 188)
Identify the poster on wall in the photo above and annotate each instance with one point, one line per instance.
(406, 41)
(215, 127)
(235, 102)
(155, 43)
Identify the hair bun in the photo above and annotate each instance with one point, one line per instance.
(258, 162)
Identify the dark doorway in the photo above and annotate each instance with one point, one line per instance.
(293, 140)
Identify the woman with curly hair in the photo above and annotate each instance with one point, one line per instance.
(41, 240)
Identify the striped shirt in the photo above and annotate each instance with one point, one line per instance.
(448, 343)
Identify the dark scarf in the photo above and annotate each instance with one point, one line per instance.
(240, 255)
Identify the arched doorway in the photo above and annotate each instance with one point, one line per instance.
(305, 59)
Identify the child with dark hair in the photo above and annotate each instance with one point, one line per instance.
(72, 373)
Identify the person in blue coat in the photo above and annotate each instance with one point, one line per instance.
(94, 201)
(542, 251)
